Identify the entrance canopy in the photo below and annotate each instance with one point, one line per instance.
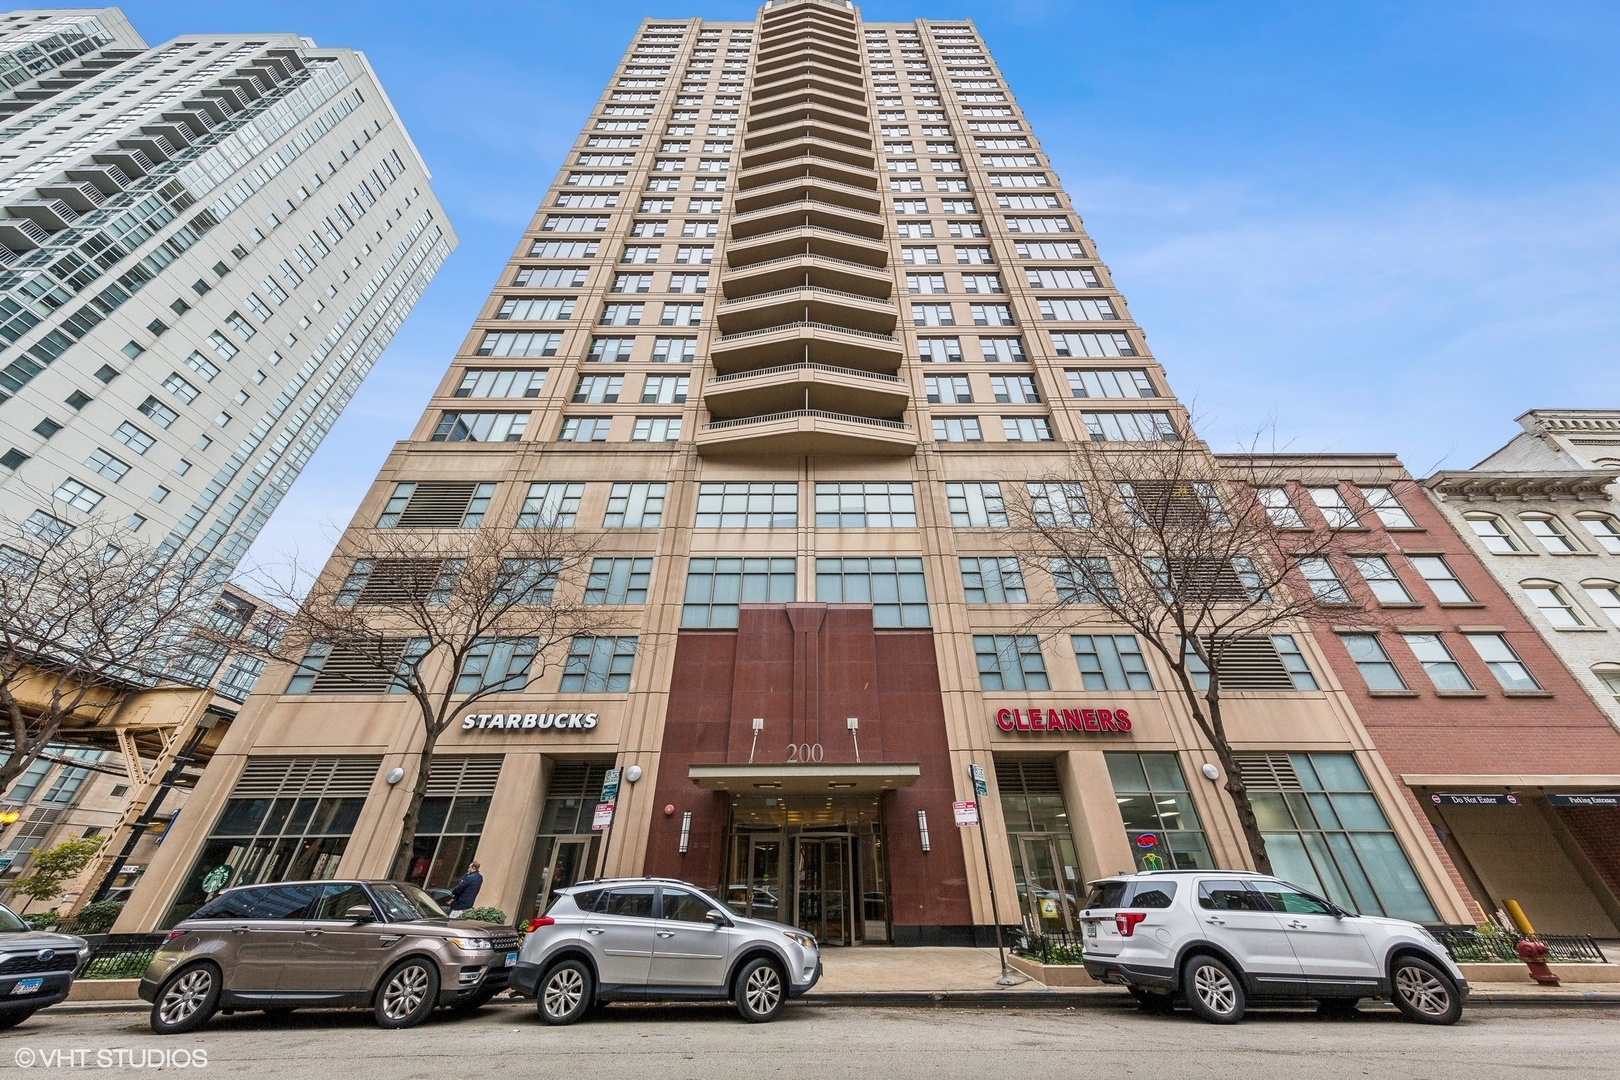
(812, 778)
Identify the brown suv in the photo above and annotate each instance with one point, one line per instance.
(383, 945)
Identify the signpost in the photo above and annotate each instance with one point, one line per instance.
(602, 820)
(981, 788)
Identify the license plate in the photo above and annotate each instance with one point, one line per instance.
(27, 986)
(511, 960)
(1091, 929)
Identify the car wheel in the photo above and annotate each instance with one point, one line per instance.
(186, 1000)
(565, 993)
(1158, 1001)
(760, 991)
(11, 1020)
(1424, 993)
(407, 993)
(1213, 990)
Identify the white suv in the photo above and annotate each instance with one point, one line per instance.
(1219, 938)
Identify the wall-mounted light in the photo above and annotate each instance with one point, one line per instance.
(922, 828)
(1211, 772)
(854, 723)
(686, 830)
(395, 775)
(633, 773)
(759, 726)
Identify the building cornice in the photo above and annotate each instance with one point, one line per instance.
(1473, 485)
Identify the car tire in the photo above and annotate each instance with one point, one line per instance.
(407, 994)
(761, 991)
(186, 1000)
(11, 1020)
(1213, 990)
(565, 993)
(1154, 1001)
(1423, 992)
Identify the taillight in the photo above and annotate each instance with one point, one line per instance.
(174, 934)
(1126, 921)
(541, 920)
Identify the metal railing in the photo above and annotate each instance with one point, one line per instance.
(1467, 945)
(736, 270)
(802, 324)
(1056, 947)
(818, 181)
(814, 288)
(739, 241)
(793, 414)
(121, 956)
(806, 160)
(795, 205)
(804, 366)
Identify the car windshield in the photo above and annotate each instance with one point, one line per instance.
(10, 923)
(406, 903)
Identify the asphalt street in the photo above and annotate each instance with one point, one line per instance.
(676, 1042)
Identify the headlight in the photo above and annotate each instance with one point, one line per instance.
(804, 941)
(471, 944)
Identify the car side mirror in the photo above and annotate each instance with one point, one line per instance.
(716, 918)
(360, 913)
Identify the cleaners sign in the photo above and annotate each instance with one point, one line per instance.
(1083, 721)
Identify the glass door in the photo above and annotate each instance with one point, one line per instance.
(822, 889)
(1048, 903)
(569, 865)
(755, 888)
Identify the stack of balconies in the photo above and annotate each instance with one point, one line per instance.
(807, 357)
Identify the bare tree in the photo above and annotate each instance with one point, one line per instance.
(448, 618)
(1198, 557)
(87, 618)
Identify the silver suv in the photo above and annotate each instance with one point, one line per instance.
(383, 945)
(36, 967)
(658, 939)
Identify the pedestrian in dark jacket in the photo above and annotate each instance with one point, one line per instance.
(464, 893)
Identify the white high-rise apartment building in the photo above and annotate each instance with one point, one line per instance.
(204, 248)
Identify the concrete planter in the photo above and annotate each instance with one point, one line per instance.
(1054, 974)
(105, 990)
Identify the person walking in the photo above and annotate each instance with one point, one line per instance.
(464, 893)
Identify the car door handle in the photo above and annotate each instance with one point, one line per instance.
(595, 930)
(314, 933)
(1216, 921)
(666, 933)
(239, 929)
(1297, 925)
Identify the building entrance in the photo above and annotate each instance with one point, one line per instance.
(814, 863)
(1048, 901)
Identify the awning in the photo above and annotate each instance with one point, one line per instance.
(814, 778)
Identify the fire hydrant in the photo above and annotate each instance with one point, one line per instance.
(1534, 955)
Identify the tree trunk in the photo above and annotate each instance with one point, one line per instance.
(413, 809)
(1239, 794)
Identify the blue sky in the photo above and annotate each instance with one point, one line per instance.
(1373, 225)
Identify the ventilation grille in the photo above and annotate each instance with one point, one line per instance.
(1018, 777)
(307, 777)
(438, 504)
(1209, 580)
(402, 582)
(577, 779)
(349, 671)
(1268, 772)
(1167, 504)
(1252, 663)
(465, 775)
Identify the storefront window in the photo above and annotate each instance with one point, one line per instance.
(565, 847)
(1325, 831)
(1160, 819)
(452, 819)
(1051, 888)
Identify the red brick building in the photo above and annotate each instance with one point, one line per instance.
(1494, 742)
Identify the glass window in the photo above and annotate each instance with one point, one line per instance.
(956, 429)
(493, 664)
(1010, 662)
(1059, 505)
(1381, 579)
(1437, 661)
(598, 665)
(715, 587)
(1492, 533)
(683, 906)
(1372, 661)
(1293, 659)
(1279, 508)
(1442, 582)
(1111, 662)
(1510, 673)
(1606, 595)
(1554, 606)
(1324, 583)
(1333, 839)
(1282, 897)
(1085, 580)
(634, 506)
(1333, 507)
(1160, 819)
(1605, 530)
(894, 587)
(632, 902)
(550, 506)
(993, 581)
(447, 834)
(1609, 676)
(976, 505)
(747, 506)
(866, 506)
(618, 581)
(1550, 531)
(1388, 508)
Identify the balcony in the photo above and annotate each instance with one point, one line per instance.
(768, 83)
(807, 240)
(840, 102)
(813, 188)
(787, 215)
(827, 51)
(777, 171)
(806, 385)
(807, 302)
(812, 147)
(806, 342)
(758, 137)
(772, 275)
(807, 432)
(785, 112)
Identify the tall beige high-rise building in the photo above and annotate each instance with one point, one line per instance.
(803, 310)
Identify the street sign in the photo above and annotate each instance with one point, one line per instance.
(1488, 798)
(603, 818)
(966, 813)
(980, 787)
(610, 786)
(1595, 798)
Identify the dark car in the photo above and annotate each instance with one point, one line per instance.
(383, 945)
(36, 967)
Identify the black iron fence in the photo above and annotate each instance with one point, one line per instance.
(1059, 947)
(121, 956)
(1469, 945)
